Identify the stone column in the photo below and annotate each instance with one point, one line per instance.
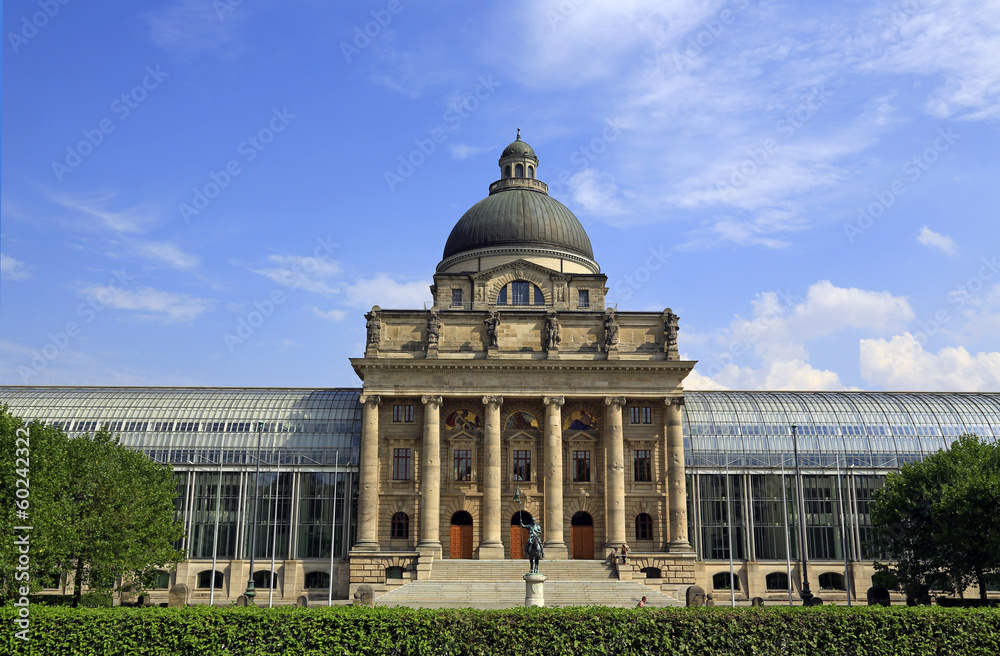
(491, 548)
(614, 490)
(368, 476)
(430, 478)
(552, 527)
(676, 486)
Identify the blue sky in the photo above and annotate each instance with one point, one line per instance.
(204, 192)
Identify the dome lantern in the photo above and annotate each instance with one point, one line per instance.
(518, 160)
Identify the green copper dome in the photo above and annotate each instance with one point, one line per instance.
(517, 216)
(518, 148)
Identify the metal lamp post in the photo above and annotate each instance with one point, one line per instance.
(805, 595)
(251, 592)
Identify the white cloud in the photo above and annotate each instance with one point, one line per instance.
(464, 151)
(387, 293)
(133, 220)
(777, 332)
(312, 274)
(150, 304)
(944, 243)
(167, 253)
(330, 315)
(596, 192)
(953, 40)
(901, 363)
(188, 27)
(12, 269)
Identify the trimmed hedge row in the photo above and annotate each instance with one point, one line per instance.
(203, 631)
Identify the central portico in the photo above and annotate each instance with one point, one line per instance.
(519, 376)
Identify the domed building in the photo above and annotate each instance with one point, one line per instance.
(520, 395)
(518, 381)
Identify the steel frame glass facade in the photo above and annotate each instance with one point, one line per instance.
(847, 442)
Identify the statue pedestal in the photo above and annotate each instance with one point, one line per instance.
(534, 590)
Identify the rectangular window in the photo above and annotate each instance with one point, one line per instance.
(643, 466)
(520, 291)
(402, 413)
(522, 465)
(584, 299)
(400, 464)
(581, 466)
(456, 297)
(634, 415)
(463, 465)
(647, 414)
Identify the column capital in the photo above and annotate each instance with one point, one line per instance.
(557, 401)
(673, 400)
(435, 400)
(491, 400)
(614, 400)
(365, 399)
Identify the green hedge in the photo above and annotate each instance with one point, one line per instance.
(202, 631)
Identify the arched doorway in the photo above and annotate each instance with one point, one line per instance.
(583, 536)
(519, 535)
(460, 545)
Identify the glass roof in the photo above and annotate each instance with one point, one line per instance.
(745, 429)
(861, 429)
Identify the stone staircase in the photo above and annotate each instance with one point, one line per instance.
(489, 584)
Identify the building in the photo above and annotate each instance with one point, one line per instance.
(520, 379)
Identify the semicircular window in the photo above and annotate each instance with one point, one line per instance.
(520, 292)
(521, 420)
(580, 420)
(462, 420)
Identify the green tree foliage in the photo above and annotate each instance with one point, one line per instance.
(942, 516)
(96, 507)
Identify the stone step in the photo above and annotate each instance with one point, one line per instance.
(495, 594)
(505, 570)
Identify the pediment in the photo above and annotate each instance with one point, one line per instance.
(522, 436)
(580, 437)
(461, 436)
(520, 268)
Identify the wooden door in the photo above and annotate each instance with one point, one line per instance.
(583, 542)
(460, 545)
(518, 538)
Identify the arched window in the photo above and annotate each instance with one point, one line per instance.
(831, 581)
(400, 526)
(519, 171)
(317, 580)
(522, 292)
(652, 572)
(205, 579)
(265, 579)
(531, 171)
(720, 581)
(506, 171)
(776, 581)
(394, 572)
(643, 527)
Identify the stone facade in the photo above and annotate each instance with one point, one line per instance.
(520, 377)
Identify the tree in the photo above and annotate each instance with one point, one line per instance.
(102, 509)
(942, 516)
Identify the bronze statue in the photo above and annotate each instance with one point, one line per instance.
(533, 549)
(492, 322)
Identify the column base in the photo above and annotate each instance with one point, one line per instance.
(556, 551)
(431, 548)
(681, 546)
(366, 547)
(491, 551)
